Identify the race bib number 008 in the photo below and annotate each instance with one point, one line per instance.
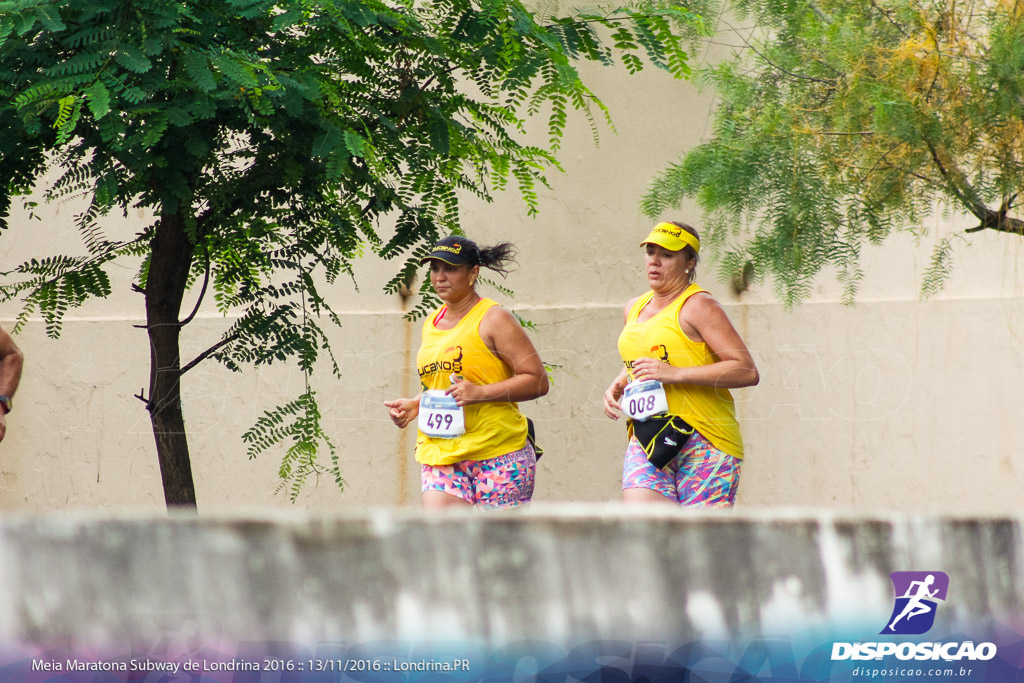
(440, 416)
(640, 400)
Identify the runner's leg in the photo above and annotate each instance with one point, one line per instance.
(506, 481)
(445, 486)
(642, 482)
(705, 476)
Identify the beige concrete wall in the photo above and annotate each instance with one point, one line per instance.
(892, 403)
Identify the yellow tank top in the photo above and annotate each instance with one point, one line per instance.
(492, 429)
(710, 410)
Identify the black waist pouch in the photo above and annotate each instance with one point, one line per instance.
(531, 434)
(662, 437)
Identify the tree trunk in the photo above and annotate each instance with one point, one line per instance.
(165, 286)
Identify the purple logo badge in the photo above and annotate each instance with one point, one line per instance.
(917, 596)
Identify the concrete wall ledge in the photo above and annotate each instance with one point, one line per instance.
(560, 574)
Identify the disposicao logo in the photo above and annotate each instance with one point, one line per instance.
(917, 597)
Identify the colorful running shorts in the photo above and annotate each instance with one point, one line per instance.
(502, 482)
(700, 476)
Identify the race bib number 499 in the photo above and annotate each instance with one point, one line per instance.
(640, 400)
(440, 416)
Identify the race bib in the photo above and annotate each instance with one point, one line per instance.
(640, 400)
(440, 416)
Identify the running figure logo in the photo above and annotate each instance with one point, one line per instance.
(917, 595)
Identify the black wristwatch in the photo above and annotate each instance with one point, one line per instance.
(5, 402)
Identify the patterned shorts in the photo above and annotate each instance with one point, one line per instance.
(502, 482)
(700, 476)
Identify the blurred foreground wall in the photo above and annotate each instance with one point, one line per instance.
(527, 591)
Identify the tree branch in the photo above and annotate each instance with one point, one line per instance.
(829, 82)
(1000, 221)
(605, 20)
(202, 292)
(820, 13)
(990, 218)
(887, 16)
(958, 186)
(207, 353)
(879, 161)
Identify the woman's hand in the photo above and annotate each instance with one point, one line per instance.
(403, 411)
(653, 368)
(612, 395)
(465, 392)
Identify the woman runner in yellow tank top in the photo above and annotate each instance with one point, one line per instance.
(475, 363)
(681, 355)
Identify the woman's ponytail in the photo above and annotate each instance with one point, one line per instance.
(498, 257)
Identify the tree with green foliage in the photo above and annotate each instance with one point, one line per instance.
(840, 123)
(273, 142)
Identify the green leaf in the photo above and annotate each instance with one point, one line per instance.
(51, 19)
(235, 70)
(133, 59)
(286, 20)
(178, 116)
(326, 143)
(98, 99)
(197, 66)
(155, 130)
(356, 144)
(25, 22)
(439, 135)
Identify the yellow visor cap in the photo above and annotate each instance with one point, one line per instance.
(671, 237)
